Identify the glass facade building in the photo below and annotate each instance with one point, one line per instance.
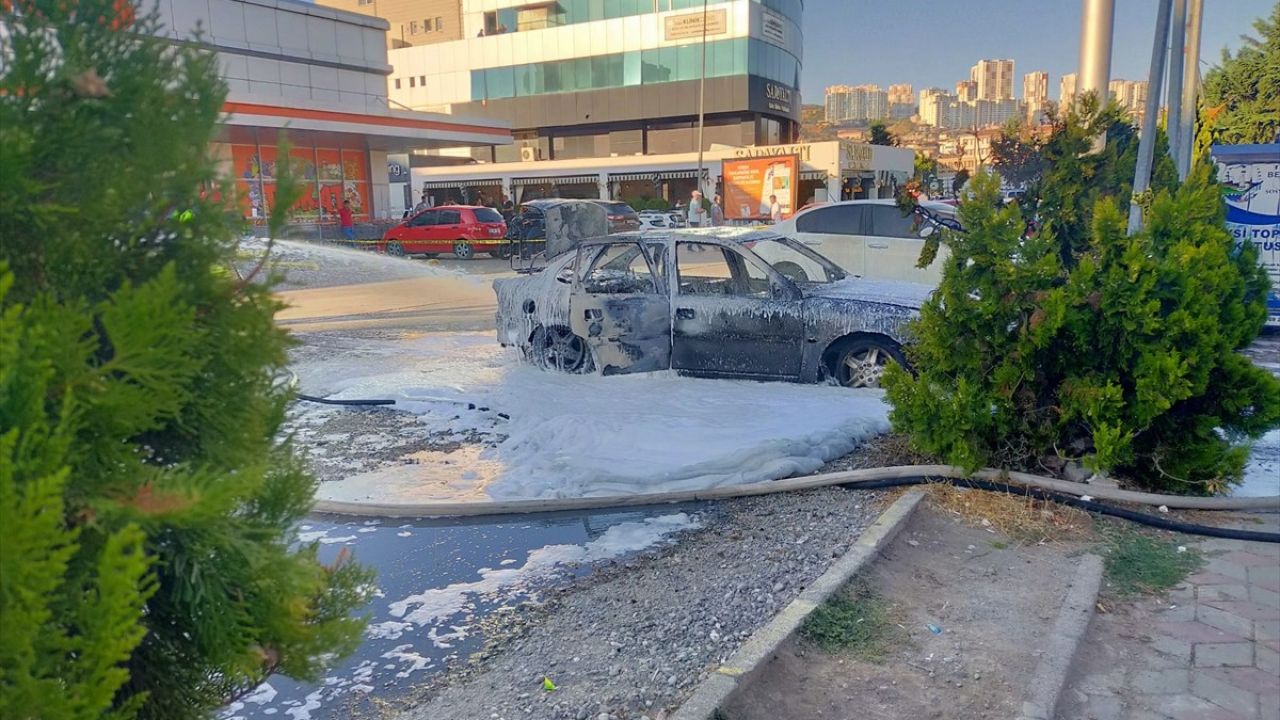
(582, 78)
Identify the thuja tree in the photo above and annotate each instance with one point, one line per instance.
(146, 501)
(1080, 342)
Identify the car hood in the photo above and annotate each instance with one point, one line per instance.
(887, 292)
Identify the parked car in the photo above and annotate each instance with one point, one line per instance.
(462, 230)
(705, 302)
(868, 238)
(655, 220)
(621, 217)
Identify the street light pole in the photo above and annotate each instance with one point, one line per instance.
(702, 88)
(1150, 113)
(1097, 24)
(1177, 40)
(1190, 88)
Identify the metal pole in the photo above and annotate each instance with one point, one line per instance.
(1177, 38)
(1150, 114)
(1097, 23)
(702, 87)
(1190, 88)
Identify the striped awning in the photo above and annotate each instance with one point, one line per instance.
(653, 176)
(558, 180)
(450, 184)
(813, 175)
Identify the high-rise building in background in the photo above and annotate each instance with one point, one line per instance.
(1067, 89)
(1131, 94)
(967, 90)
(927, 108)
(902, 93)
(1035, 95)
(994, 79)
(857, 103)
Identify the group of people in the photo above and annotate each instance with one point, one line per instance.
(701, 216)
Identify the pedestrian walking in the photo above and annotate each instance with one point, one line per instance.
(717, 212)
(697, 213)
(346, 221)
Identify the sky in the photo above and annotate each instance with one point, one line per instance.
(932, 43)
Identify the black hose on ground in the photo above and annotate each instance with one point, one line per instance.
(327, 401)
(1090, 505)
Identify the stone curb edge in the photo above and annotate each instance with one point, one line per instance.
(710, 694)
(1060, 648)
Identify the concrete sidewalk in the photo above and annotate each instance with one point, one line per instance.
(1208, 650)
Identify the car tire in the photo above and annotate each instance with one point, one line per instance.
(463, 250)
(791, 271)
(557, 348)
(859, 362)
(502, 252)
(395, 249)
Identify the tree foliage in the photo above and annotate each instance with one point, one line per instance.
(880, 135)
(1241, 102)
(1079, 342)
(147, 503)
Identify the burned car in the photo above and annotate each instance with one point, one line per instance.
(717, 302)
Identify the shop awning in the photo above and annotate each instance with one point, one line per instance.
(813, 175)
(447, 184)
(653, 176)
(558, 180)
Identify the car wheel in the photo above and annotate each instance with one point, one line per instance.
(502, 252)
(462, 249)
(395, 248)
(860, 362)
(791, 271)
(557, 348)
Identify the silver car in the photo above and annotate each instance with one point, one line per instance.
(718, 302)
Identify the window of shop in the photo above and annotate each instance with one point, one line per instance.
(327, 177)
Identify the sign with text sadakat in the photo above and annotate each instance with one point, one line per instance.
(749, 183)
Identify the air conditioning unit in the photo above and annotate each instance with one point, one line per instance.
(529, 154)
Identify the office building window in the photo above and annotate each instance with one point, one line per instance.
(411, 82)
(422, 80)
(426, 25)
(439, 24)
(365, 2)
(413, 27)
(397, 83)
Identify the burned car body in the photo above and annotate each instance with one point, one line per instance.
(721, 302)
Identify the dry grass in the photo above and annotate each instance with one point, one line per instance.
(1017, 517)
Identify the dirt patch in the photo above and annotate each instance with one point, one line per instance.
(992, 600)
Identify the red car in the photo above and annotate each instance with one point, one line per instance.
(463, 230)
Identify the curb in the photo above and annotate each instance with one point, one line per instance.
(710, 694)
(1050, 675)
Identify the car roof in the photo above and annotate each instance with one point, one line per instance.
(724, 234)
(459, 207)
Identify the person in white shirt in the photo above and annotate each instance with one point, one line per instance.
(775, 209)
(697, 214)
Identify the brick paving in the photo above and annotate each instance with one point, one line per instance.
(1207, 650)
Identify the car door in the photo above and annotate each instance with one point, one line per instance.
(418, 230)
(733, 315)
(620, 305)
(836, 232)
(893, 246)
(448, 226)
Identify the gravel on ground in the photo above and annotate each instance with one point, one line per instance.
(631, 640)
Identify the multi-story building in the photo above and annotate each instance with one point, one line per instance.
(1035, 94)
(928, 105)
(413, 22)
(1067, 89)
(855, 104)
(1131, 94)
(318, 77)
(602, 78)
(902, 94)
(994, 79)
(967, 90)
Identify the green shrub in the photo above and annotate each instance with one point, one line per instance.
(147, 504)
(1080, 342)
(648, 203)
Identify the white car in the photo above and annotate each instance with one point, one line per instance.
(654, 220)
(868, 238)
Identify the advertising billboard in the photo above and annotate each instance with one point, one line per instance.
(1250, 183)
(750, 182)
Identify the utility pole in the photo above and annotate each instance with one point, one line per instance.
(1150, 114)
(1190, 88)
(1097, 23)
(702, 89)
(1177, 39)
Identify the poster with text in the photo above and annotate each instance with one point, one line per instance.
(750, 185)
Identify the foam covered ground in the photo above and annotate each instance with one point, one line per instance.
(536, 434)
